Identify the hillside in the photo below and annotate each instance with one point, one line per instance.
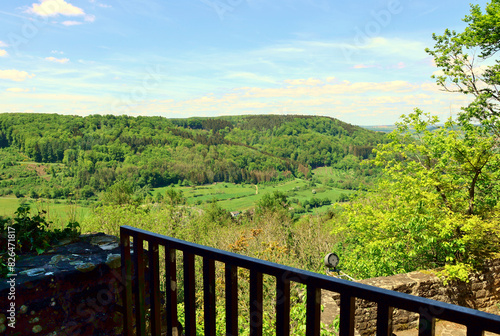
(52, 155)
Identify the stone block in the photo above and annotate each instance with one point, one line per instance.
(480, 294)
(69, 291)
(477, 286)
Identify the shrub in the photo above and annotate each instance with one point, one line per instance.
(31, 234)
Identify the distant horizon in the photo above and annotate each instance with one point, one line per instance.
(363, 63)
(215, 116)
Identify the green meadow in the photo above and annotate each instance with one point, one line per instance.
(241, 197)
(232, 197)
(59, 212)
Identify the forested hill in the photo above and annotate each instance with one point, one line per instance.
(95, 151)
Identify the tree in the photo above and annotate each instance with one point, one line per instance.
(276, 201)
(460, 162)
(174, 197)
(436, 204)
(468, 64)
(119, 193)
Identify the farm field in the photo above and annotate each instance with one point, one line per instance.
(230, 196)
(57, 211)
(241, 197)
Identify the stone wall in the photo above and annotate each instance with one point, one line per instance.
(482, 292)
(71, 290)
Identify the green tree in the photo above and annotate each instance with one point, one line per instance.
(175, 197)
(436, 204)
(276, 201)
(468, 64)
(120, 193)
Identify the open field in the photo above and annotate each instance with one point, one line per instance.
(57, 211)
(232, 197)
(240, 197)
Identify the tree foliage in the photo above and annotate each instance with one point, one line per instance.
(88, 155)
(469, 66)
(272, 202)
(436, 204)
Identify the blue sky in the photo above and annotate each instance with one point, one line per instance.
(362, 62)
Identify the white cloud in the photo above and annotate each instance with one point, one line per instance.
(385, 47)
(57, 52)
(388, 99)
(57, 60)
(397, 46)
(3, 53)
(80, 98)
(89, 18)
(100, 4)
(342, 88)
(71, 23)
(54, 8)
(304, 82)
(400, 65)
(17, 90)
(363, 66)
(3, 44)
(251, 76)
(433, 87)
(15, 75)
(438, 73)
(86, 62)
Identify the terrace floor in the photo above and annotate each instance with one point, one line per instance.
(443, 328)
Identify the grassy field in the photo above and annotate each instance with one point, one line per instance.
(57, 211)
(232, 197)
(240, 197)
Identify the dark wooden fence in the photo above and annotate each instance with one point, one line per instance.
(150, 315)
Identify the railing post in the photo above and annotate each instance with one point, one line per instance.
(282, 306)
(256, 285)
(189, 295)
(140, 309)
(231, 300)
(384, 319)
(347, 309)
(127, 280)
(154, 288)
(426, 325)
(171, 290)
(313, 315)
(474, 330)
(209, 296)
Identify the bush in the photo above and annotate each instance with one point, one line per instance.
(31, 234)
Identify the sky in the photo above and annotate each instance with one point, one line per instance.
(363, 62)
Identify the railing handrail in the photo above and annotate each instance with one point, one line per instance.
(434, 309)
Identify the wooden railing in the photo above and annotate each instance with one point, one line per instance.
(136, 307)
